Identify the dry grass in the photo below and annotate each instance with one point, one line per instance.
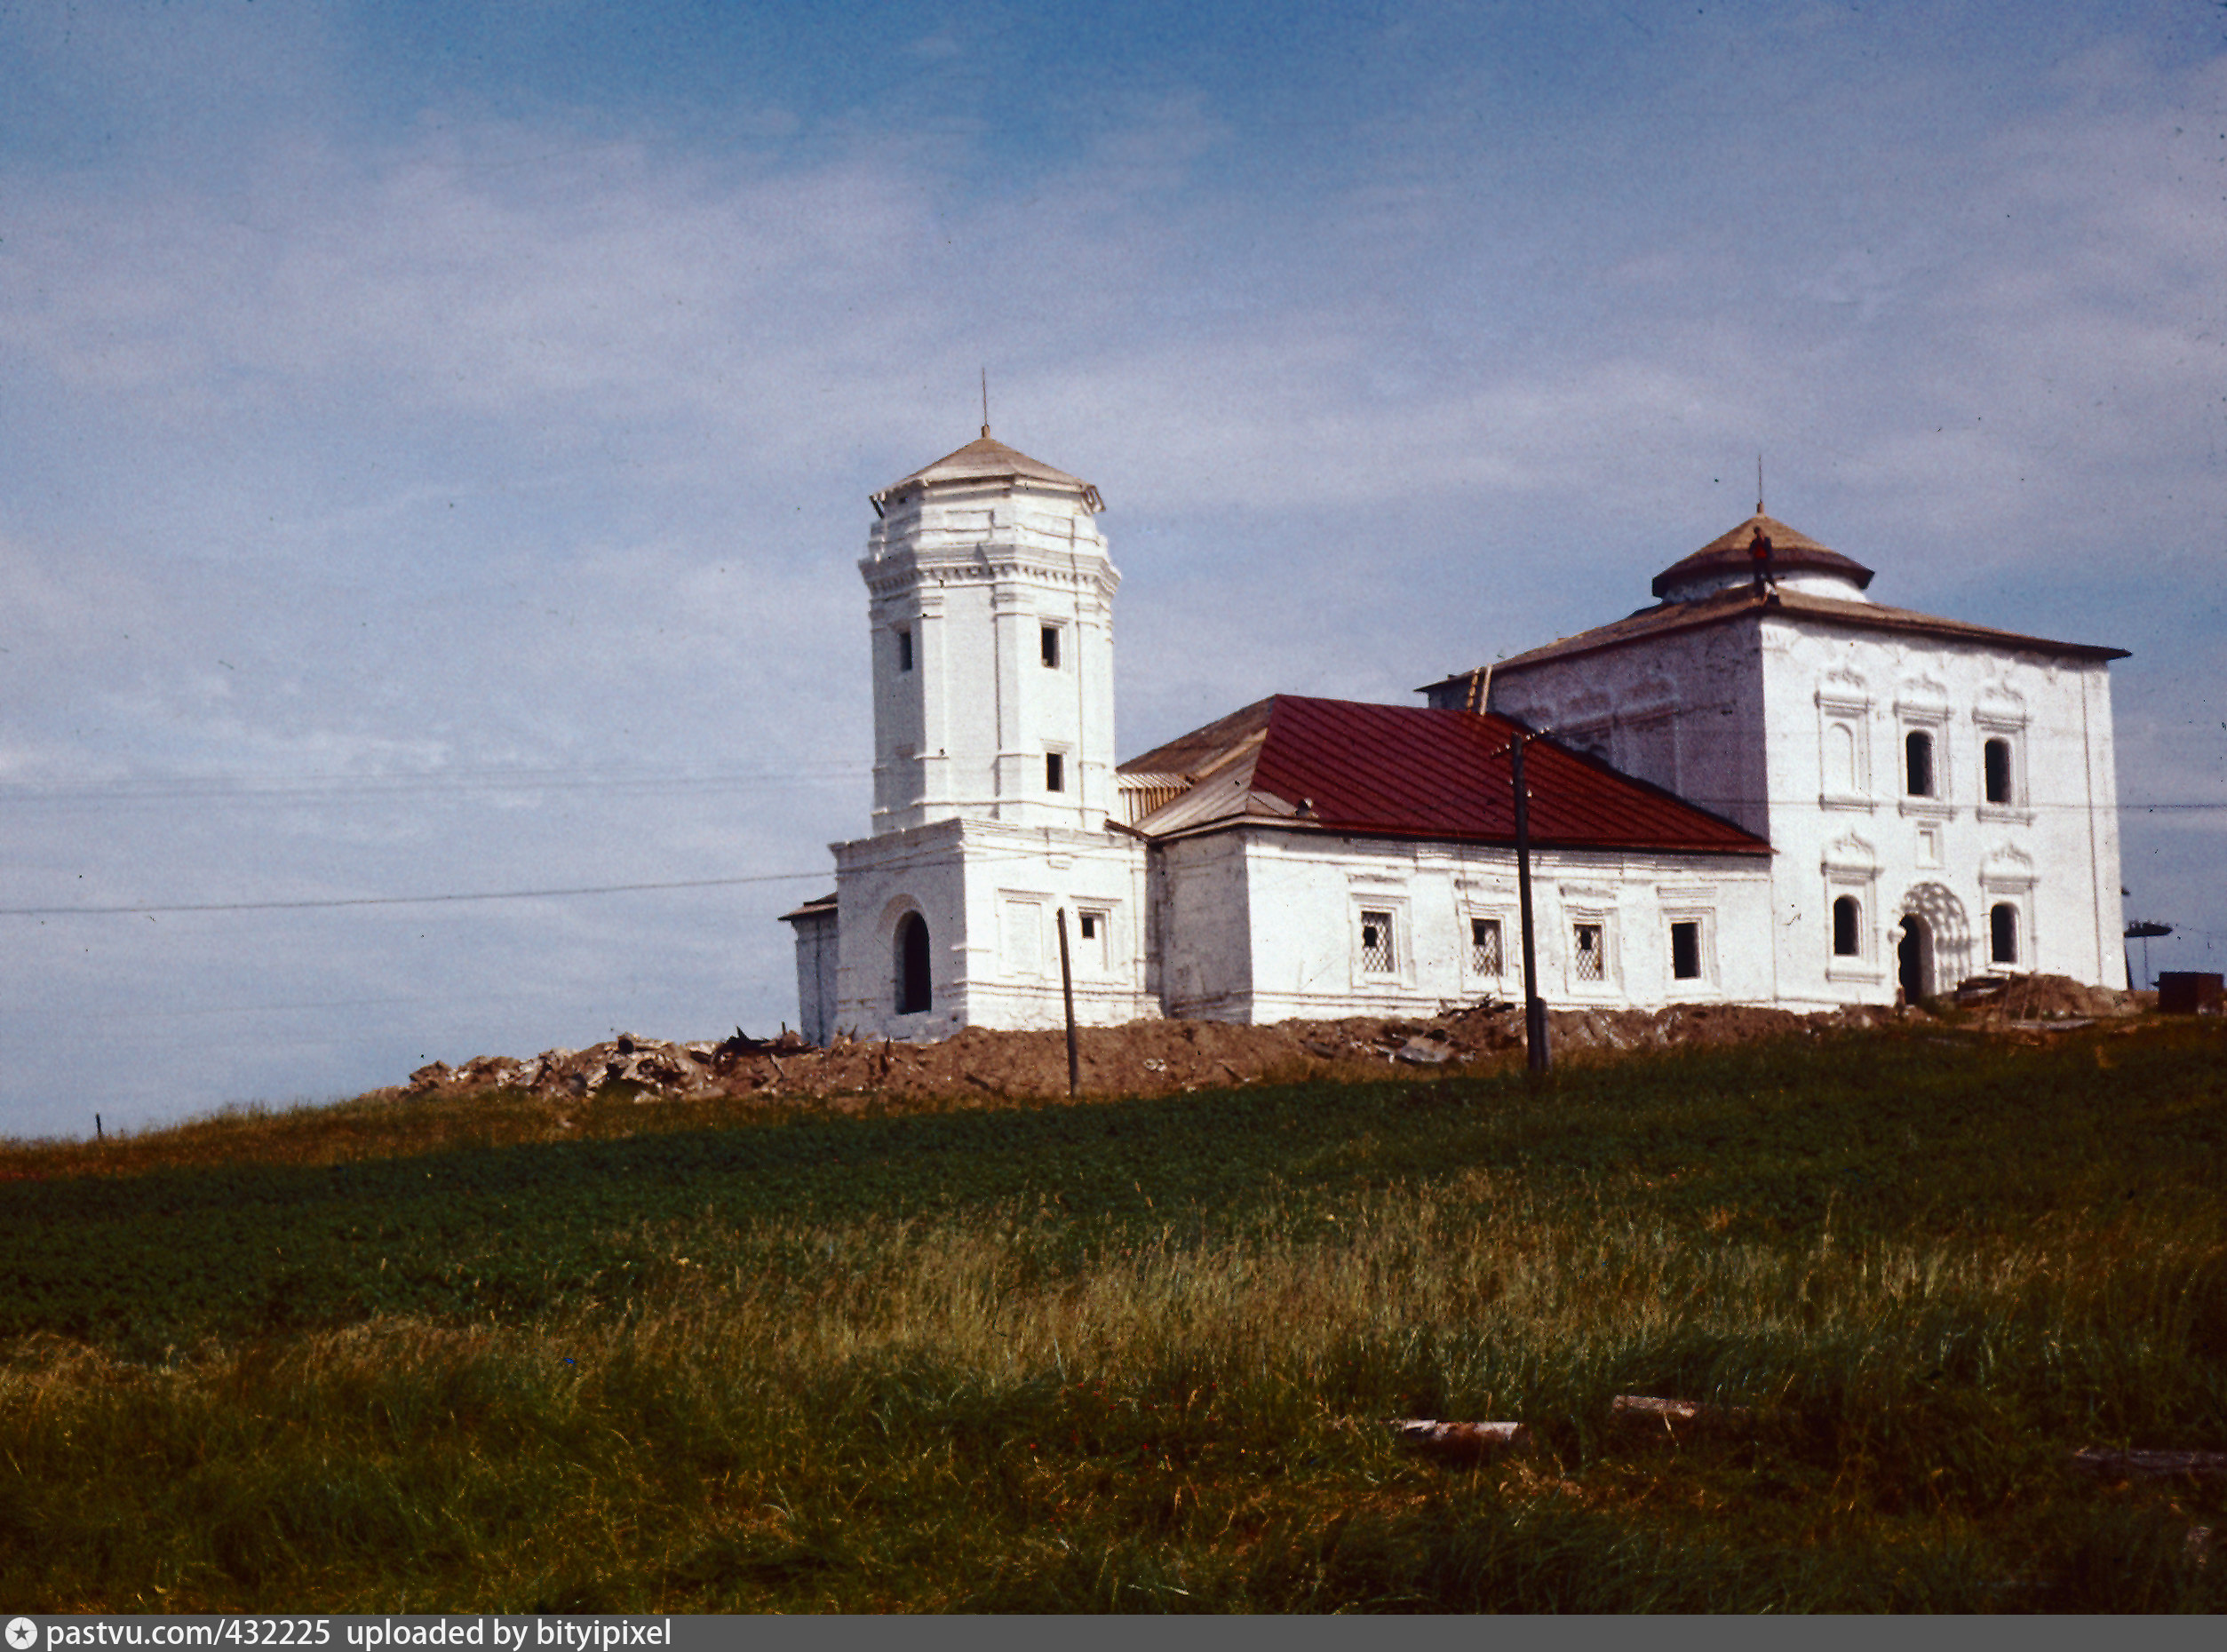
(1008, 1404)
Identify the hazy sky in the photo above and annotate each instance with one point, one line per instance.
(435, 438)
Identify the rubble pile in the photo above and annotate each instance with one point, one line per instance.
(1149, 1057)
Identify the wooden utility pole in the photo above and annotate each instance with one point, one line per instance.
(1067, 992)
(1534, 1007)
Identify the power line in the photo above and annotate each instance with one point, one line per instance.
(430, 900)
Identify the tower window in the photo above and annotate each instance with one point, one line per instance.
(1996, 756)
(1846, 916)
(1591, 963)
(1054, 771)
(1089, 921)
(1376, 943)
(1918, 769)
(1484, 945)
(1050, 641)
(2002, 932)
(904, 647)
(1685, 951)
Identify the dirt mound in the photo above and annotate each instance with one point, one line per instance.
(1144, 1058)
(2043, 998)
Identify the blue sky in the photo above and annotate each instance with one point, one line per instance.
(433, 440)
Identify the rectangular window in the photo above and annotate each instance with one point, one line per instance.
(1918, 767)
(1592, 965)
(1996, 755)
(1376, 943)
(1685, 951)
(1052, 648)
(904, 647)
(1484, 945)
(2002, 932)
(1055, 772)
(1093, 944)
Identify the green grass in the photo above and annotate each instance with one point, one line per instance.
(1135, 1355)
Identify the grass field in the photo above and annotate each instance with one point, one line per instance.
(1136, 1356)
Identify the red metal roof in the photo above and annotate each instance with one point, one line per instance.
(1397, 771)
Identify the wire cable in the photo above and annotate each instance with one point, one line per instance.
(431, 900)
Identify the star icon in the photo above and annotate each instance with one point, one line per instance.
(22, 1633)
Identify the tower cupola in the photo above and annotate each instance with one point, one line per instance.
(1796, 562)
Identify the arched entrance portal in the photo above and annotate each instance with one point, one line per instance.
(915, 991)
(1913, 959)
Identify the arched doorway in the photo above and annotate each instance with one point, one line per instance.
(1913, 959)
(915, 991)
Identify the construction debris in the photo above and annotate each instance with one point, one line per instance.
(1160, 1057)
(1463, 1442)
(1676, 1420)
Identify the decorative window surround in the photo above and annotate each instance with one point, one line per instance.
(1844, 711)
(1597, 914)
(1367, 910)
(1850, 867)
(1709, 983)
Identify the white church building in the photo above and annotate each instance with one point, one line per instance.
(1765, 788)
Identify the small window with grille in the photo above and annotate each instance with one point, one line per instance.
(1376, 943)
(1484, 945)
(1592, 964)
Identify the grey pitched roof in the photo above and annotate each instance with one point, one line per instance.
(987, 460)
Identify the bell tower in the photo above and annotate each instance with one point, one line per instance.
(991, 603)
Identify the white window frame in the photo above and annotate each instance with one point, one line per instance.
(1931, 721)
(1611, 983)
(1402, 974)
(1046, 945)
(1708, 983)
(1095, 955)
(1471, 976)
(1853, 713)
(2015, 890)
(1850, 867)
(2011, 729)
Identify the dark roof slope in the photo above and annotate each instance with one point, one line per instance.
(1395, 771)
(1790, 549)
(1190, 755)
(1740, 603)
(986, 460)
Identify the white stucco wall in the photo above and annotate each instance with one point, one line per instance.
(990, 893)
(1795, 728)
(1261, 925)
